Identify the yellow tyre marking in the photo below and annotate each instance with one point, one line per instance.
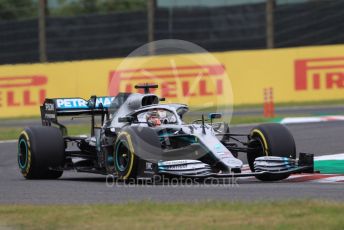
(24, 133)
(265, 143)
(131, 147)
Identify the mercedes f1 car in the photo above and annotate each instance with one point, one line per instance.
(138, 138)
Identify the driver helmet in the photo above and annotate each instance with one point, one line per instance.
(153, 118)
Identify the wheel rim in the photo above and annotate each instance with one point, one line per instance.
(22, 154)
(122, 156)
(260, 147)
(257, 144)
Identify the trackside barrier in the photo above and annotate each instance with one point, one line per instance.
(298, 75)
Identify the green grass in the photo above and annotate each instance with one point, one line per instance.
(11, 133)
(149, 215)
(20, 118)
(292, 104)
(281, 104)
(250, 119)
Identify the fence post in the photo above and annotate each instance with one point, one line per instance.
(269, 104)
(41, 31)
(270, 6)
(150, 22)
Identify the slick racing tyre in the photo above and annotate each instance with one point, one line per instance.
(270, 140)
(40, 149)
(125, 161)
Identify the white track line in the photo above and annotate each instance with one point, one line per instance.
(8, 141)
(338, 156)
(298, 120)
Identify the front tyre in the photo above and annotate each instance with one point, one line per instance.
(270, 140)
(39, 150)
(125, 161)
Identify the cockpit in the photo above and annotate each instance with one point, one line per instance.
(156, 117)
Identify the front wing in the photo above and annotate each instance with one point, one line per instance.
(197, 169)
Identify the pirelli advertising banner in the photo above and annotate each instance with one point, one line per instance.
(215, 79)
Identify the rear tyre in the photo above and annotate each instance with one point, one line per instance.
(270, 140)
(39, 150)
(125, 161)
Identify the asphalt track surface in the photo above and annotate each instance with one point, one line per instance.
(317, 138)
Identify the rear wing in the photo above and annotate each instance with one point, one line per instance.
(54, 107)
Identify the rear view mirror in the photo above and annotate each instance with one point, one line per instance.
(125, 119)
(110, 133)
(212, 116)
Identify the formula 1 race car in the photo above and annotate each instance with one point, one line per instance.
(139, 138)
